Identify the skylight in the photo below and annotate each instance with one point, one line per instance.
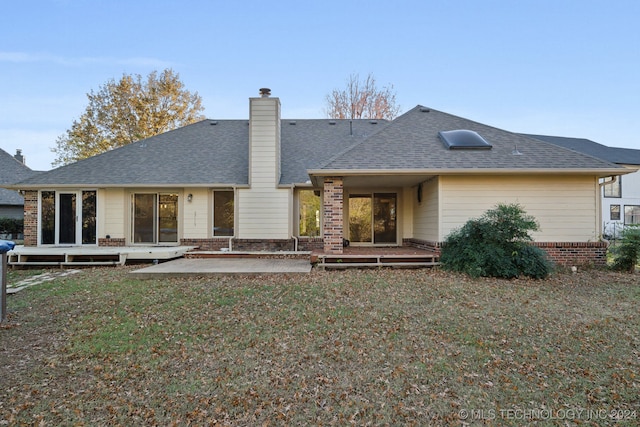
(463, 140)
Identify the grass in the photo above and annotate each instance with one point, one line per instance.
(388, 347)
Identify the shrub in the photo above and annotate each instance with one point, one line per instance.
(496, 245)
(11, 226)
(625, 255)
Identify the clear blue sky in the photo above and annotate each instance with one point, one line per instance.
(557, 67)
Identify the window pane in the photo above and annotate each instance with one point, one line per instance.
(614, 212)
(632, 214)
(614, 189)
(309, 206)
(88, 217)
(384, 217)
(144, 218)
(360, 218)
(67, 218)
(48, 217)
(168, 217)
(223, 213)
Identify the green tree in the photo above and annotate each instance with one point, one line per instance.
(496, 245)
(362, 99)
(127, 110)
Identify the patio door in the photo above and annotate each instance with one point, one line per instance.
(154, 218)
(372, 218)
(68, 217)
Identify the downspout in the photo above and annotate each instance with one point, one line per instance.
(614, 178)
(602, 184)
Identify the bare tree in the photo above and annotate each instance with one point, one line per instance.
(362, 99)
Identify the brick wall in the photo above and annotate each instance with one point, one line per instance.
(212, 244)
(310, 243)
(333, 211)
(111, 241)
(576, 253)
(257, 245)
(31, 218)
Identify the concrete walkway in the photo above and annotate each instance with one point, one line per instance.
(186, 267)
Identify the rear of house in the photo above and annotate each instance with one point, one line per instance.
(268, 184)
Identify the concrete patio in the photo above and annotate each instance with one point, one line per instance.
(189, 267)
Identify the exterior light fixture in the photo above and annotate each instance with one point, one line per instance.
(189, 197)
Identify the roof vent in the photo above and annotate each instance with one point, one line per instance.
(332, 122)
(265, 92)
(425, 110)
(213, 123)
(463, 140)
(292, 122)
(373, 122)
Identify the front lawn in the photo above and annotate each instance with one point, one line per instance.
(410, 347)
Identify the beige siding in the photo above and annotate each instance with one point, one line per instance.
(113, 210)
(565, 206)
(405, 211)
(264, 211)
(264, 214)
(426, 213)
(196, 214)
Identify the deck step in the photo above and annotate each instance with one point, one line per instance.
(343, 261)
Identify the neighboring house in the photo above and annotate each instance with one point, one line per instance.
(272, 184)
(620, 195)
(12, 169)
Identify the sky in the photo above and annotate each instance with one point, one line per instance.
(553, 67)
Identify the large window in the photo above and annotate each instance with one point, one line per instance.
(223, 213)
(631, 214)
(309, 210)
(613, 189)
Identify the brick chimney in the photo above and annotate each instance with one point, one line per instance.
(19, 157)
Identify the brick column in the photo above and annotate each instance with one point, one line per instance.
(332, 217)
(31, 218)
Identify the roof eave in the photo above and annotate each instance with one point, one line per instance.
(139, 185)
(473, 171)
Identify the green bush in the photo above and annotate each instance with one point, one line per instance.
(625, 255)
(11, 226)
(496, 245)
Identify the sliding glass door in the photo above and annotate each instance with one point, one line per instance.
(68, 218)
(154, 218)
(372, 218)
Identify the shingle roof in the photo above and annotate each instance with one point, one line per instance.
(411, 142)
(216, 152)
(308, 144)
(206, 152)
(12, 171)
(622, 156)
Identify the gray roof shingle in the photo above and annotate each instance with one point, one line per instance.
(216, 152)
(206, 152)
(11, 171)
(411, 142)
(621, 156)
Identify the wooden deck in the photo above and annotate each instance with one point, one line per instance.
(376, 257)
(70, 256)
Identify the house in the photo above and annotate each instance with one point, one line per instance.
(620, 195)
(12, 169)
(268, 183)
